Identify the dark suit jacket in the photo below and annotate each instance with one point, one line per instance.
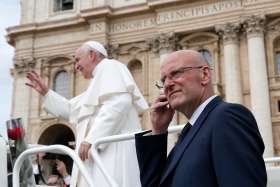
(223, 148)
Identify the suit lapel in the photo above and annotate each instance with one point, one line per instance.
(189, 137)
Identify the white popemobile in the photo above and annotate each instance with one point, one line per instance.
(272, 164)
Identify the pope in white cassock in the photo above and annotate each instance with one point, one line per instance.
(110, 105)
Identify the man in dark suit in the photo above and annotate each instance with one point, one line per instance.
(220, 146)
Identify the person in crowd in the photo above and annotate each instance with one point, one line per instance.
(61, 177)
(37, 167)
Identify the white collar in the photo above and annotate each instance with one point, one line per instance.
(199, 110)
(96, 67)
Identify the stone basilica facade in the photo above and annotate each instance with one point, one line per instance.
(239, 38)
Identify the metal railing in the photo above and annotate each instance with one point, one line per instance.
(272, 160)
(119, 138)
(111, 139)
(51, 149)
(95, 155)
(273, 171)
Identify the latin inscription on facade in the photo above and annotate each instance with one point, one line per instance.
(175, 15)
(98, 27)
(133, 25)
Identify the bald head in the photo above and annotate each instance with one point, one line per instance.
(187, 57)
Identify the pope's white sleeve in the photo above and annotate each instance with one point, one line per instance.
(56, 104)
(109, 119)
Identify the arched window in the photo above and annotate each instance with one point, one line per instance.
(61, 5)
(277, 62)
(207, 56)
(135, 67)
(277, 57)
(61, 84)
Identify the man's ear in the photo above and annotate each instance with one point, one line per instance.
(92, 55)
(206, 76)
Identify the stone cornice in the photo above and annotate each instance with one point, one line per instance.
(108, 11)
(156, 3)
(159, 8)
(254, 25)
(103, 11)
(43, 26)
(229, 32)
(83, 17)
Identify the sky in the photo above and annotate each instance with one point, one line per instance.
(9, 16)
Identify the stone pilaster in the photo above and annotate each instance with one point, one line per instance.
(259, 90)
(113, 50)
(233, 85)
(21, 95)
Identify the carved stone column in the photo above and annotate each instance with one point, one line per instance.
(259, 80)
(232, 73)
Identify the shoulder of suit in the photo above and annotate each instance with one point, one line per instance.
(225, 107)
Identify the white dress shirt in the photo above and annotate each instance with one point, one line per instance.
(199, 110)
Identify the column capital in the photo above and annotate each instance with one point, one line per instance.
(113, 50)
(45, 68)
(254, 25)
(22, 66)
(229, 32)
(163, 41)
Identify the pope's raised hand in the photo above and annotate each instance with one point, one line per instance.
(161, 114)
(37, 83)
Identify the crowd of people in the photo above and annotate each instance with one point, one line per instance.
(219, 146)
